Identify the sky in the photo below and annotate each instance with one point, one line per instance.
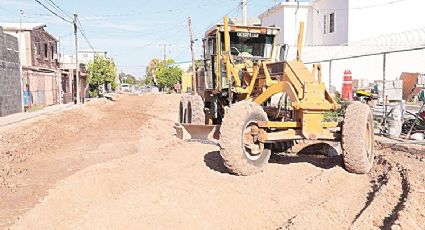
(132, 31)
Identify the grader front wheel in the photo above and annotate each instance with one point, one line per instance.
(358, 139)
(242, 152)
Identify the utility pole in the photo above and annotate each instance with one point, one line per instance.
(21, 74)
(194, 82)
(77, 66)
(165, 53)
(244, 13)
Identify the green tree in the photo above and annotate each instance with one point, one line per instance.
(147, 80)
(127, 78)
(101, 71)
(198, 64)
(168, 75)
(152, 68)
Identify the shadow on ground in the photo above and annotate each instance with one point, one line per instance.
(214, 161)
(320, 155)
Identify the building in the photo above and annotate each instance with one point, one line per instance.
(69, 80)
(375, 40)
(10, 79)
(39, 60)
(87, 56)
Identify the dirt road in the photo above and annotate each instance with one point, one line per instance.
(118, 165)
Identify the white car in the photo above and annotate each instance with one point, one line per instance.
(125, 87)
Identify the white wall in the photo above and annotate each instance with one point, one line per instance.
(326, 7)
(371, 67)
(292, 19)
(86, 57)
(288, 19)
(373, 18)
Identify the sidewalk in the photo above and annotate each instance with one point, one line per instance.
(21, 117)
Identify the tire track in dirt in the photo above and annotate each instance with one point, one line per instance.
(390, 190)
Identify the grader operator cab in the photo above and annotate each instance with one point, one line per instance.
(244, 68)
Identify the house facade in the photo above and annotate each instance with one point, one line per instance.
(354, 35)
(87, 56)
(69, 79)
(39, 60)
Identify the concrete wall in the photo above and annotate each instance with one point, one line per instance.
(326, 7)
(371, 68)
(373, 18)
(288, 17)
(10, 82)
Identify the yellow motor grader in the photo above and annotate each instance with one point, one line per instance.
(244, 72)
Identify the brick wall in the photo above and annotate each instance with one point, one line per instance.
(44, 49)
(10, 83)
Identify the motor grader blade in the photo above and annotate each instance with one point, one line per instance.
(197, 132)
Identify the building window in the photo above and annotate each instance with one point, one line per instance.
(329, 23)
(332, 23)
(38, 48)
(53, 52)
(46, 50)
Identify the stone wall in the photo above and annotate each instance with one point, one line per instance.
(10, 82)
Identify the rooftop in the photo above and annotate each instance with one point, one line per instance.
(21, 26)
(280, 5)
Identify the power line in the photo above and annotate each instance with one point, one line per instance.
(83, 33)
(50, 2)
(53, 12)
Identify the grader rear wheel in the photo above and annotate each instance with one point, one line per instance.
(182, 109)
(358, 139)
(195, 110)
(241, 150)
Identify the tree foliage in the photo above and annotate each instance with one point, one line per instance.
(101, 72)
(128, 78)
(146, 81)
(198, 64)
(168, 76)
(163, 73)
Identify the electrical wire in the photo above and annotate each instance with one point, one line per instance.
(53, 12)
(54, 5)
(83, 33)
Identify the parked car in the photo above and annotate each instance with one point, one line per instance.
(125, 87)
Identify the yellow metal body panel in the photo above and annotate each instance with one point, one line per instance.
(291, 125)
(280, 87)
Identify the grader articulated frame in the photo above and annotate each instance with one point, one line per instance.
(249, 129)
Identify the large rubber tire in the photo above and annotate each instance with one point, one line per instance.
(195, 110)
(182, 109)
(236, 120)
(358, 139)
